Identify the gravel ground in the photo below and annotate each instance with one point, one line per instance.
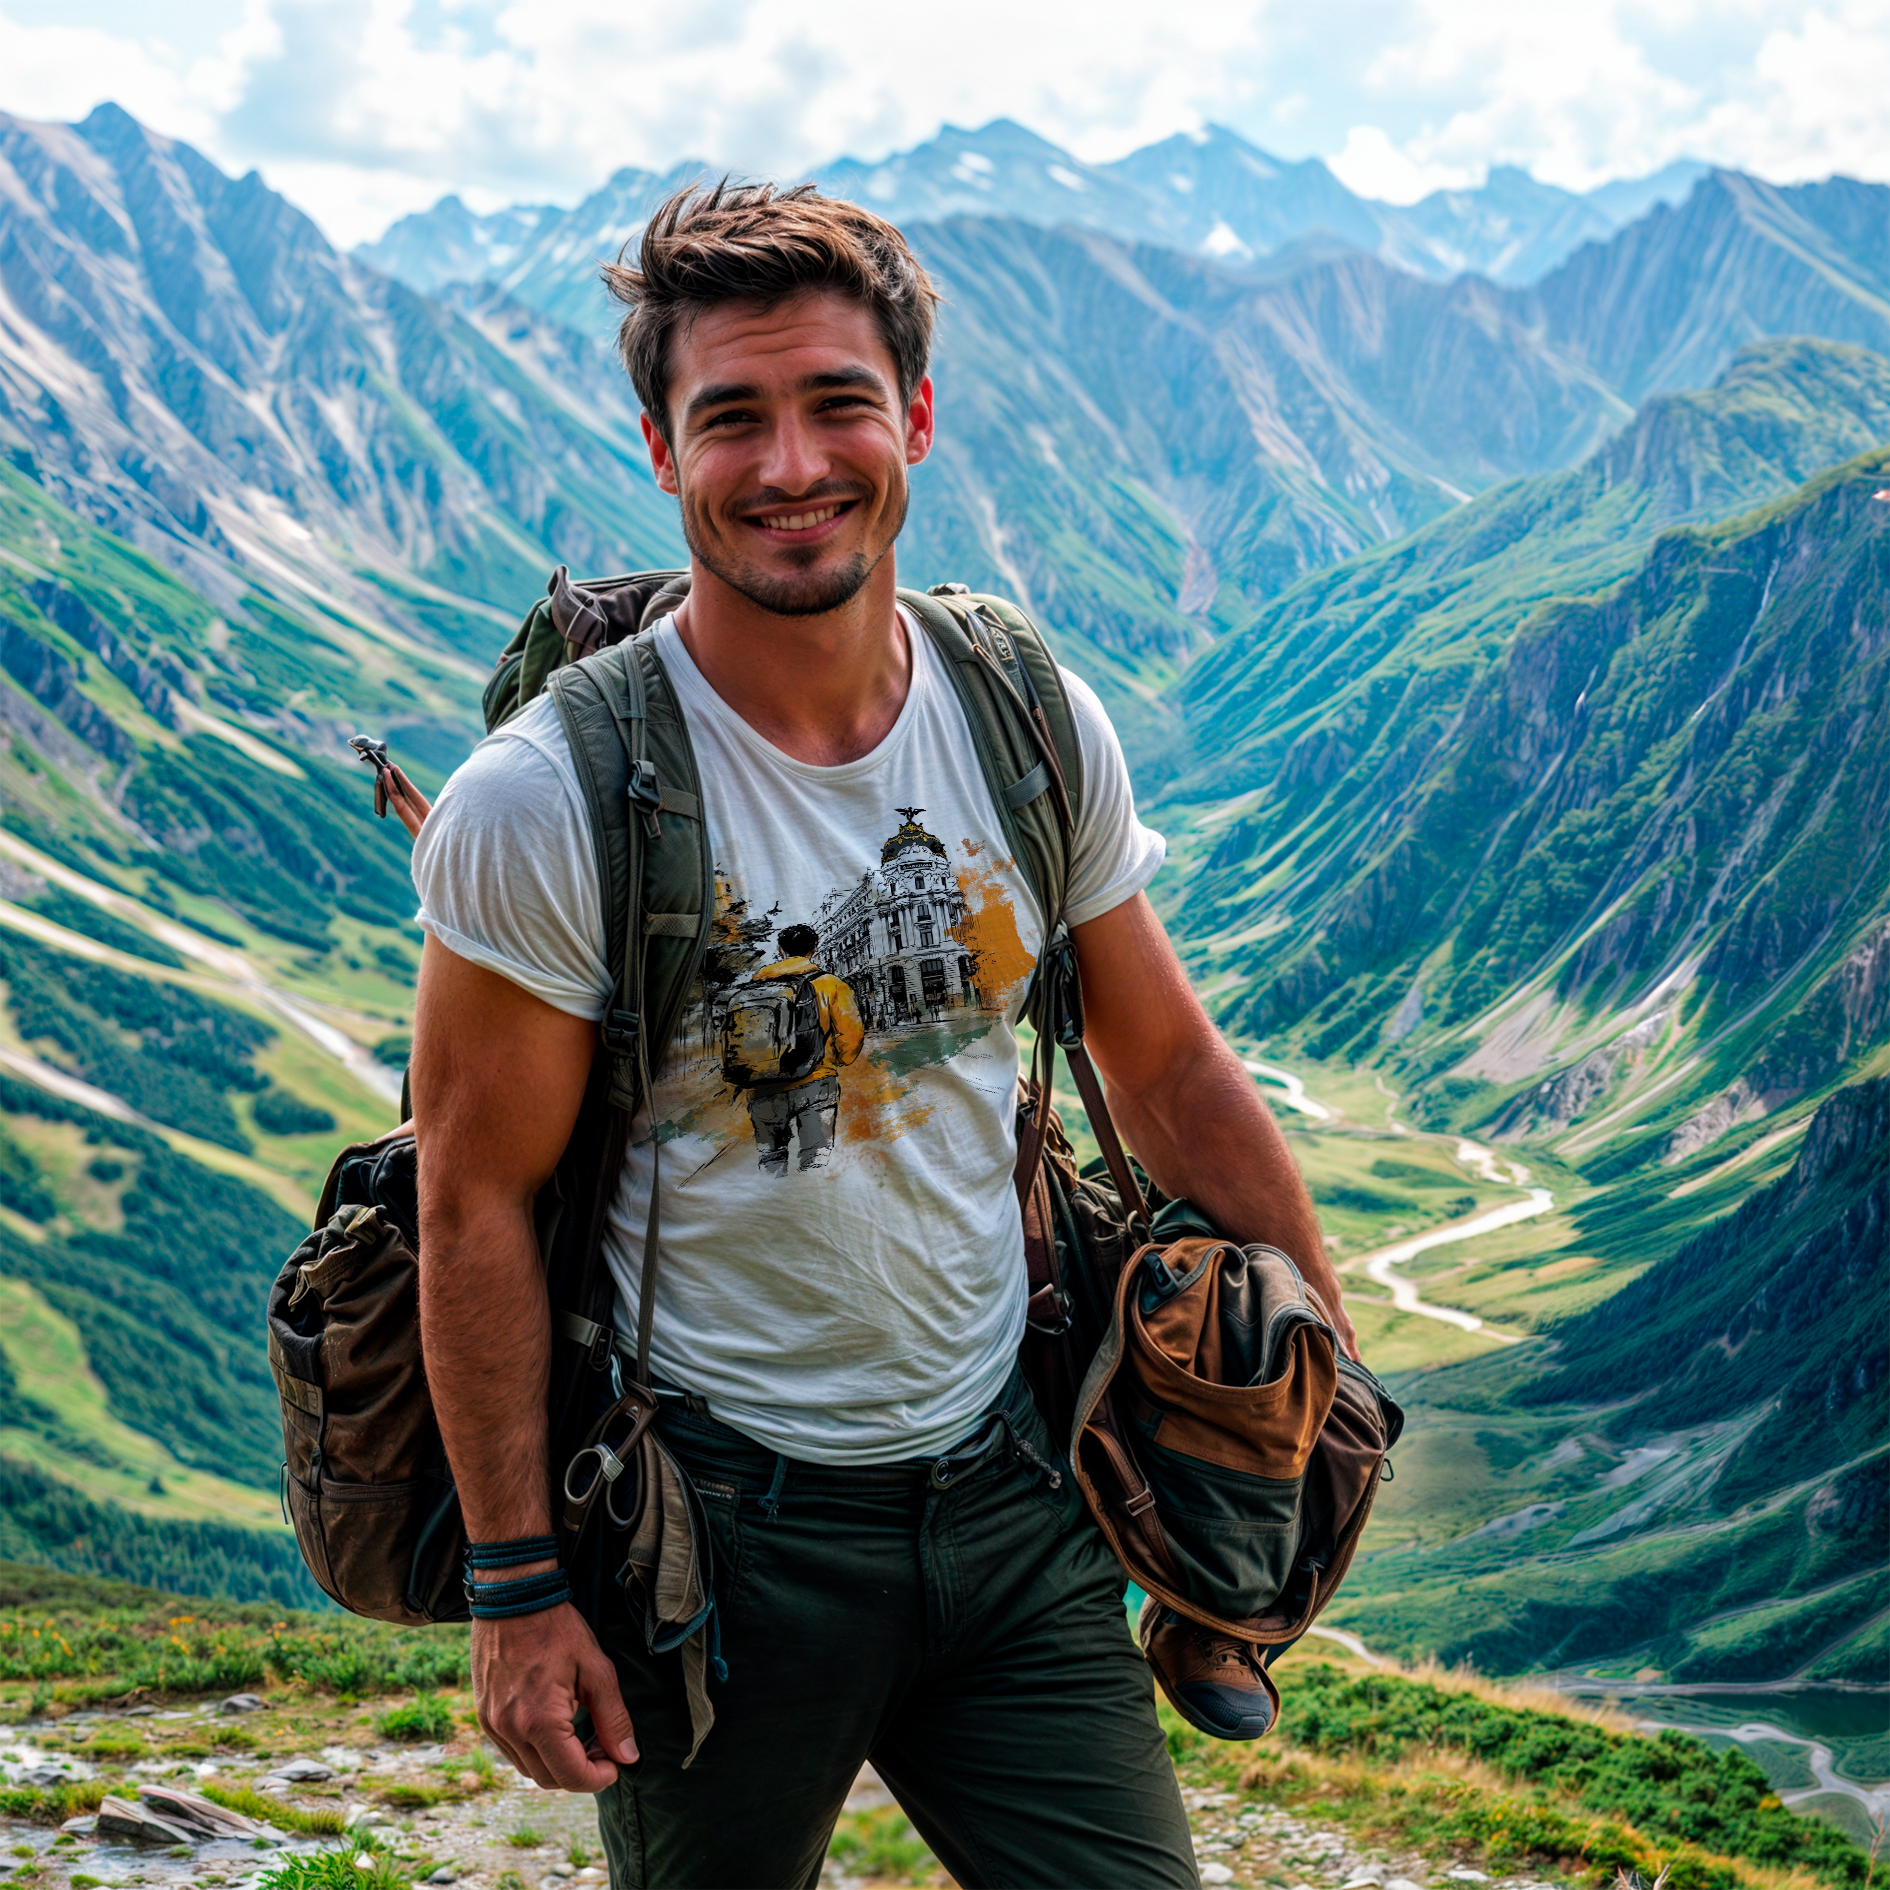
(488, 1829)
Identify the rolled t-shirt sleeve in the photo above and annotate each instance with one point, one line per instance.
(506, 871)
(1115, 855)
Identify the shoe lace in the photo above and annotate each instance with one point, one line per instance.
(1224, 1651)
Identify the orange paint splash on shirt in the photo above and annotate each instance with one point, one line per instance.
(988, 932)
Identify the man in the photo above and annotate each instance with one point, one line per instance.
(903, 1567)
(807, 1106)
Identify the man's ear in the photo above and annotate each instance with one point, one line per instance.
(919, 423)
(662, 460)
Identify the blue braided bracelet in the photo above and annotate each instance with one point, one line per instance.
(496, 1601)
(511, 1554)
(529, 1594)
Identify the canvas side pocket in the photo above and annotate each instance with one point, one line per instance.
(1234, 1535)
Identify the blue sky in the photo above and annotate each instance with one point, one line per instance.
(363, 109)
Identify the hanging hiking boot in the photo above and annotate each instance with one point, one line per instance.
(1212, 1680)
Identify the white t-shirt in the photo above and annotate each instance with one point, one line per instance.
(840, 1276)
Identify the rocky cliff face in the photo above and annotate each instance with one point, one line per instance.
(1665, 303)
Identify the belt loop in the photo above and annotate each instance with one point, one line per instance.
(771, 1503)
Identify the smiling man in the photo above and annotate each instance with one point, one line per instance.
(904, 1572)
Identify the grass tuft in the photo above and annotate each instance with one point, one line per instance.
(426, 1720)
(325, 1822)
(348, 1867)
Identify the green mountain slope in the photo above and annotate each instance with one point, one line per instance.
(189, 362)
(203, 935)
(1543, 853)
(1690, 1481)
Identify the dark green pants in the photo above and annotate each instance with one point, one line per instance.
(964, 1631)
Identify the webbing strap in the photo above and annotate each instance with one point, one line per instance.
(1089, 1087)
(671, 924)
(1060, 1019)
(1022, 793)
(646, 1283)
(585, 1332)
(638, 927)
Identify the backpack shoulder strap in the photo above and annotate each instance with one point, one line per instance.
(636, 766)
(1021, 725)
(630, 748)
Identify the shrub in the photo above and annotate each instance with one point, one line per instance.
(1674, 1789)
(334, 1870)
(409, 1797)
(277, 1112)
(425, 1720)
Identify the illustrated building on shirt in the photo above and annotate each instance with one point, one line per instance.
(890, 934)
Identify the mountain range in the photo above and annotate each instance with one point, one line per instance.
(1210, 192)
(1500, 642)
(1143, 444)
(1442, 812)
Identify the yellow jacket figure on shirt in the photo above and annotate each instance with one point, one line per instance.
(840, 1021)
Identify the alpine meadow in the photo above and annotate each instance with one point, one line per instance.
(1493, 597)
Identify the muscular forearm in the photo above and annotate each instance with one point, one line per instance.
(498, 1076)
(1202, 1131)
(485, 1327)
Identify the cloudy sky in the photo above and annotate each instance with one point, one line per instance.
(363, 109)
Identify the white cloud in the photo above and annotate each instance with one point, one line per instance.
(1820, 101)
(364, 108)
(62, 70)
(1372, 165)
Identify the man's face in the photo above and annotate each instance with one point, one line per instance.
(788, 448)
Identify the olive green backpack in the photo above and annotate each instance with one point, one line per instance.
(365, 1479)
(1125, 1289)
(586, 644)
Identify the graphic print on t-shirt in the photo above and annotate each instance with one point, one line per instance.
(808, 1034)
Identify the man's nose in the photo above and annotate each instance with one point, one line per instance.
(794, 459)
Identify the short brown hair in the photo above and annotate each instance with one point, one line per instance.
(726, 242)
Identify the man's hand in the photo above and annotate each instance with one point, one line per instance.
(531, 1676)
(1184, 1104)
(407, 801)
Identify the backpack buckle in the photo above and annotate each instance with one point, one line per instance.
(1066, 988)
(620, 1032)
(646, 795)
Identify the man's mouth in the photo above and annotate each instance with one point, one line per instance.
(806, 519)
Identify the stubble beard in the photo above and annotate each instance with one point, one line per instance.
(808, 594)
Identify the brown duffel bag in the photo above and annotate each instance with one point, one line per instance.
(1227, 1447)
